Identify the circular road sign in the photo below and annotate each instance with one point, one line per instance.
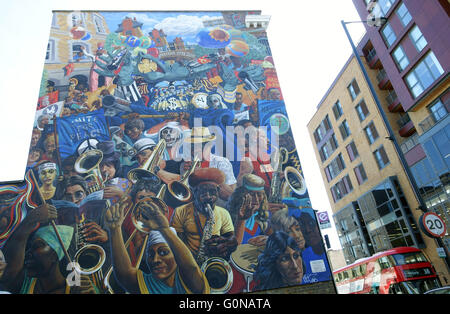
(433, 225)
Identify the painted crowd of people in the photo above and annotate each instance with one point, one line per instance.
(150, 240)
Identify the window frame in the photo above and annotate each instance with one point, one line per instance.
(344, 126)
(420, 80)
(338, 106)
(362, 114)
(354, 92)
(415, 41)
(371, 133)
(375, 154)
(399, 62)
(406, 13)
(388, 38)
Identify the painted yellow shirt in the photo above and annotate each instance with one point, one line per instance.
(184, 222)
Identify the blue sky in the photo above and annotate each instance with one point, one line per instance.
(185, 24)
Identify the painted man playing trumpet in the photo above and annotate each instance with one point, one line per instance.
(172, 267)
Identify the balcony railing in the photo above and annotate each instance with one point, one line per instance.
(403, 120)
(430, 121)
(381, 75)
(410, 143)
(372, 53)
(391, 97)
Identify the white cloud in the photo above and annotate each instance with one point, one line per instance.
(182, 25)
(143, 18)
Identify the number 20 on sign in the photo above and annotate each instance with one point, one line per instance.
(433, 225)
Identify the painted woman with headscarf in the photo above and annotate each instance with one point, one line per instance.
(173, 269)
(34, 255)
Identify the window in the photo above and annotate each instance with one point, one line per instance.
(344, 129)
(400, 58)
(55, 20)
(322, 129)
(388, 34)
(352, 151)
(50, 53)
(353, 89)
(98, 21)
(403, 14)
(417, 38)
(342, 188)
(328, 148)
(360, 174)
(335, 167)
(385, 5)
(381, 157)
(371, 133)
(437, 110)
(424, 74)
(77, 19)
(362, 110)
(77, 53)
(337, 110)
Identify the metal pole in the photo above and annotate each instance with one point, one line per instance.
(409, 175)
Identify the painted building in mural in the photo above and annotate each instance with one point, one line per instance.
(161, 146)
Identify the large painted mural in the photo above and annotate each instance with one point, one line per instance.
(161, 161)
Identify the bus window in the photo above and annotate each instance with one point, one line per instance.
(409, 258)
(362, 269)
(345, 274)
(384, 262)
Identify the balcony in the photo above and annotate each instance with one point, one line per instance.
(406, 126)
(393, 102)
(383, 80)
(430, 121)
(373, 60)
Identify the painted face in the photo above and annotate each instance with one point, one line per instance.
(311, 232)
(50, 146)
(143, 194)
(47, 176)
(207, 193)
(170, 135)
(35, 138)
(257, 199)
(39, 258)
(143, 156)
(289, 264)
(34, 155)
(296, 232)
(238, 99)
(134, 133)
(108, 170)
(161, 261)
(75, 194)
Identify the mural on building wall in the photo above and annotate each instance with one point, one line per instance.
(161, 161)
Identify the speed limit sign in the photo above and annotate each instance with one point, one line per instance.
(433, 225)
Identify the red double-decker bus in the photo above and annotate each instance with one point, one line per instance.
(402, 270)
